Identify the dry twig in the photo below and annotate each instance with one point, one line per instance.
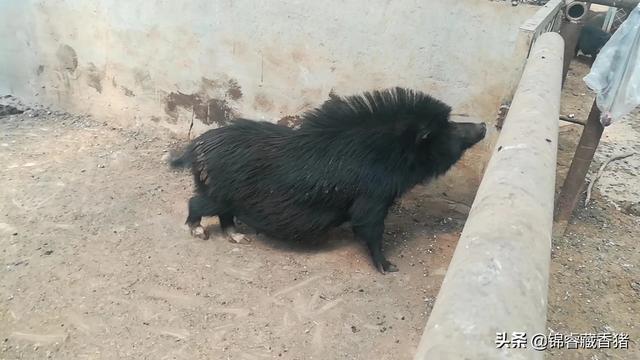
(592, 182)
(193, 110)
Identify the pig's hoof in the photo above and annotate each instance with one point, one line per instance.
(238, 238)
(199, 232)
(387, 267)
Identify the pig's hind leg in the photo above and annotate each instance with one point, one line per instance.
(200, 206)
(228, 227)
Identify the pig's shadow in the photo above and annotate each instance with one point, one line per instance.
(403, 226)
(334, 239)
(584, 59)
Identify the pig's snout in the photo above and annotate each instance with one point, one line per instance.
(483, 131)
(470, 133)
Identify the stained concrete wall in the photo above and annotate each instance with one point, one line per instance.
(162, 62)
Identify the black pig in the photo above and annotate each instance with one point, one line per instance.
(349, 161)
(592, 39)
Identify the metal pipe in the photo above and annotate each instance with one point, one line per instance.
(498, 276)
(570, 31)
(572, 120)
(608, 20)
(625, 4)
(575, 10)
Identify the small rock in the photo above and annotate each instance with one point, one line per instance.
(608, 329)
(9, 110)
(48, 252)
(633, 209)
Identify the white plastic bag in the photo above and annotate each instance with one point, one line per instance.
(615, 75)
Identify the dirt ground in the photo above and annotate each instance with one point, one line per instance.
(97, 264)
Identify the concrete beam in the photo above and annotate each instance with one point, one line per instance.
(625, 4)
(498, 277)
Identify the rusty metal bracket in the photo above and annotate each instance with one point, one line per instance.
(575, 181)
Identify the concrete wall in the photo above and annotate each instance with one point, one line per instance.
(159, 62)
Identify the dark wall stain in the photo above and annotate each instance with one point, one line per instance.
(292, 121)
(218, 111)
(230, 87)
(40, 70)
(234, 91)
(178, 99)
(94, 77)
(67, 57)
(211, 104)
(208, 84)
(142, 78)
(262, 102)
(127, 92)
(209, 111)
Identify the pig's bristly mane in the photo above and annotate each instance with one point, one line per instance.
(396, 107)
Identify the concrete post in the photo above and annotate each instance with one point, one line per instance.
(497, 280)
